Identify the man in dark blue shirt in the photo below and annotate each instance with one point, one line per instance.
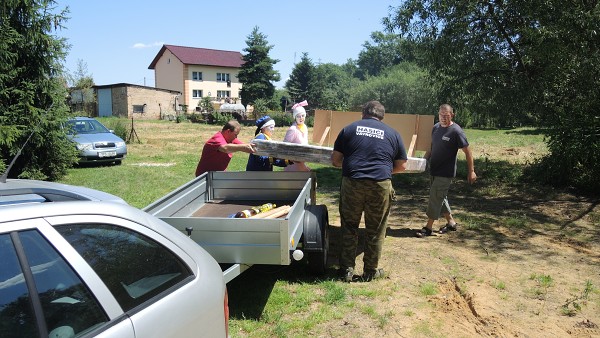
(369, 152)
(446, 138)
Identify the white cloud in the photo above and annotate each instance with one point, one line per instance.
(144, 45)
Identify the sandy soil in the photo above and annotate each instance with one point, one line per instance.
(515, 271)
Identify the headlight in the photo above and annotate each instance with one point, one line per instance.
(119, 144)
(84, 146)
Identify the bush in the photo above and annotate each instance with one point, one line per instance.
(195, 118)
(218, 118)
(118, 126)
(286, 119)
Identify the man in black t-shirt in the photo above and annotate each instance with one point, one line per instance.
(369, 152)
(446, 138)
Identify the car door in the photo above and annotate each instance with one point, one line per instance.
(152, 279)
(43, 295)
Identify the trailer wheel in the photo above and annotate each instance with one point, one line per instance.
(316, 237)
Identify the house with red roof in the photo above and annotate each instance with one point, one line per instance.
(197, 73)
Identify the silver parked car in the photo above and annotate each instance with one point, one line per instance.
(95, 142)
(76, 262)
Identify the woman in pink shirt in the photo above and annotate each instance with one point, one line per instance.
(298, 133)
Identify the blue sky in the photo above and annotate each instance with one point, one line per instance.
(118, 40)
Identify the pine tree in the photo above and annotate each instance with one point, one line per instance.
(257, 73)
(33, 91)
(300, 83)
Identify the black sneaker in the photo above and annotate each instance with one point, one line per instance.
(346, 274)
(448, 227)
(368, 276)
(424, 233)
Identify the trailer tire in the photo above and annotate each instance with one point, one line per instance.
(316, 238)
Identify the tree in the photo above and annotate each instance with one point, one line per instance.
(331, 87)
(512, 62)
(402, 89)
(82, 93)
(300, 83)
(257, 73)
(385, 51)
(33, 90)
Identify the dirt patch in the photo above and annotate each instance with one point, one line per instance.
(491, 278)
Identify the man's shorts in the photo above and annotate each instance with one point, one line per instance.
(438, 202)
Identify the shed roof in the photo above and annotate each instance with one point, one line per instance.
(201, 56)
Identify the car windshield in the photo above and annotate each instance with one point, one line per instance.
(86, 127)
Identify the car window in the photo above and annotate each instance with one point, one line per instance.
(85, 127)
(95, 127)
(133, 266)
(68, 306)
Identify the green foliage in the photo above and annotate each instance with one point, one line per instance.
(81, 78)
(195, 118)
(261, 106)
(402, 90)
(219, 118)
(428, 289)
(332, 86)
(513, 63)
(206, 105)
(257, 73)
(386, 51)
(300, 83)
(574, 304)
(32, 90)
(118, 126)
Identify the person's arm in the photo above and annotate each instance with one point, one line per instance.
(233, 147)
(399, 166)
(471, 176)
(337, 158)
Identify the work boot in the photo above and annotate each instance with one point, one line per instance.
(368, 276)
(346, 274)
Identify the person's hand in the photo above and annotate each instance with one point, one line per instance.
(251, 148)
(472, 177)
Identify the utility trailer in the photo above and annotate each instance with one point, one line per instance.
(202, 208)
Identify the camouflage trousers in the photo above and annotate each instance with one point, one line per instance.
(373, 198)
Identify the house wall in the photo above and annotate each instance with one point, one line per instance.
(209, 85)
(137, 101)
(168, 73)
(156, 103)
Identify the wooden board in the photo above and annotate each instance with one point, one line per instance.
(405, 124)
(316, 154)
(294, 151)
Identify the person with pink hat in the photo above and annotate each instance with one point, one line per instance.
(298, 133)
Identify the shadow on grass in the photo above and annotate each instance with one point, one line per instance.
(250, 291)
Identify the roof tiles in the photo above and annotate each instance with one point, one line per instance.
(201, 56)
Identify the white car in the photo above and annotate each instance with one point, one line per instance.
(77, 262)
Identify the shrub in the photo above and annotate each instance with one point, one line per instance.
(195, 118)
(118, 126)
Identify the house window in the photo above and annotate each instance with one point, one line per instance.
(196, 93)
(197, 76)
(222, 77)
(221, 94)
